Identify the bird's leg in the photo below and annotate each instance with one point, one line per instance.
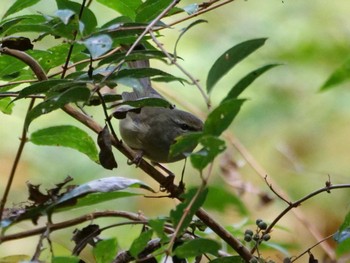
(137, 158)
(181, 183)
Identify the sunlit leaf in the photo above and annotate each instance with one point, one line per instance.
(140, 243)
(222, 116)
(339, 76)
(105, 250)
(66, 136)
(88, 17)
(19, 5)
(230, 58)
(246, 81)
(6, 106)
(191, 9)
(98, 45)
(103, 185)
(63, 259)
(196, 247)
(150, 9)
(56, 102)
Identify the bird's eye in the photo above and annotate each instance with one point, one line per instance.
(184, 126)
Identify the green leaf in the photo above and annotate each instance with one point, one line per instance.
(230, 58)
(246, 81)
(346, 223)
(103, 185)
(43, 86)
(6, 106)
(220, 199)
(196, 247)
(212, 147)
(230, 259)
(126, 8)
(98, 45)
(343, 248)
(56, 102)
(157, 226)
(140, 243)
(65, 260)
(222, 116)
(185, 143)
(150, 9)
(339, 76)
(105, 250)
(19, 5)
(66, 136)
(177, 213)
(26, 23)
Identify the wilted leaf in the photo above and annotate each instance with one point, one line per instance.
(106, 155)
(84, 237)
(18, 43)
(66, 136)
(230, 58)
(196, 247)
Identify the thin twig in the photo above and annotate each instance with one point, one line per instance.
(72, 222)
(38, 70)
(308, 250)
(174, 61)
(298, 203)
(70, 51)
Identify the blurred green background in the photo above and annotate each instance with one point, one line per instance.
(299, 135)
